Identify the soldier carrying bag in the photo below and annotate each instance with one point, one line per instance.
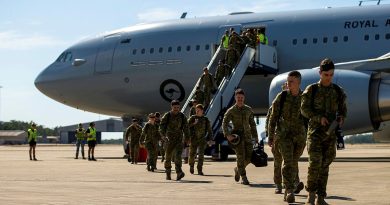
(259, 158)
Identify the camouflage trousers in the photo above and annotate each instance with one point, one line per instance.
(277, 163)
(173, 146)
(244, 153)
(322, 151)
(162, 148)
(291, 148)
(200, 147)
(152, 148)
(207, 97)
(134, 151)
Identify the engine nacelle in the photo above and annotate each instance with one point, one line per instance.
(368, 96)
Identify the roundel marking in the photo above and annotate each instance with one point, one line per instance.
(172, 90)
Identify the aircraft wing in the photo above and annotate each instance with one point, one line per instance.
(380, 64)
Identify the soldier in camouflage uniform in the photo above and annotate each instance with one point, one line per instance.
(235, 42)
(244, 125)
(193, 107)
(208, 84)
(273, 143)
(322, 107)
(133, 134)
(287, 123)
(220, 73)
(161, 144)
(149, 138)
(199, 95)
(200, 134)
(173, 126)
(231, 58)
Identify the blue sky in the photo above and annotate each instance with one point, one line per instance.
(34, 33)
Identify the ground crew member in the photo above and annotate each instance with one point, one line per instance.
(173, 126)
(32, 140)
(91, 139)
(208, 84)
(220, 73)
(149, 138)
(200, 135)
(225, 40)
(133, 135)
(80, 140)
(287, 123)
(161, 143)
(244, 125)
(199, 95)
(322, 103)
(263, 39)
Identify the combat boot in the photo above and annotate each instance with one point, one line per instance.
(200, 172)
(321, 201)
(148, 168)
(180, 175)
(278, 189)
(310, 198)
(236, 175)
(162, 159)
(244, 180)
(290, 197)
(192, 169)
(168, 172)
(299, 188)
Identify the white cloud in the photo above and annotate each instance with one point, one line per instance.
(158, 14)
(12, 40)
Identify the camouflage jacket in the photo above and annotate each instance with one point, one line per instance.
(199, 96)
(288, 120)
(174, 125)
(207, 82)
(326, 103)
(201, 130)
(133, 133)
(267, 122)
(242, 120)
(150, 134)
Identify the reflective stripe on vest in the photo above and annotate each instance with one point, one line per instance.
(32, 135)
(80, 134)
(226, 41)
(91, 134)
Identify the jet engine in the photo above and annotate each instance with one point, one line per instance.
(368, 96)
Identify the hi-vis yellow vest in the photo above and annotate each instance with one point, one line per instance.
(80, 134)
(32, 135)
(263, 39)
(225, 41)
(91, 134)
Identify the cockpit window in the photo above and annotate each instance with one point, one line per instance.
(64, 57)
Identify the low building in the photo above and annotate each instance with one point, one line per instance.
(13, 137)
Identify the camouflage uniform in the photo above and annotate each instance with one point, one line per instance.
(245, 126)
(161, 143)
(291, 134)
(200, 133)
(192, 111)
(231, 58)
(173, 131)
(133, 134)
(320, 146)
(150, 137)
(220, 73)
(199, 96)
(275, 151)
(235, 42)
(207, 81)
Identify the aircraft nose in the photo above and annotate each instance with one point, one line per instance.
(43, 81)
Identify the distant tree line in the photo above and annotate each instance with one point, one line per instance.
(20, 125)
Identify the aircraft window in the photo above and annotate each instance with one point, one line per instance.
(295, 41)
(388, 36)
(376, 36)
(325, 40)
(315, 40)
(366, 37)
(335, 39)
(127, 40)
(178, 49)
(197, 47)
(61, 57)
(143, 51)
(169, 49)
(207, 47)
(188, 48)
(275, 43)
(68, 56)
(160, 50)
(345, 38)
(304, 41)
(151, 50)
(134, 51)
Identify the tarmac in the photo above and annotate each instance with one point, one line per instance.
(360, 175)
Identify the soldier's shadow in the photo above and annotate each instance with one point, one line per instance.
(343, 198)
(195, 182)
(262, 185)
(218, 175)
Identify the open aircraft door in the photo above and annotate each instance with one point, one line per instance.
(103, 62)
